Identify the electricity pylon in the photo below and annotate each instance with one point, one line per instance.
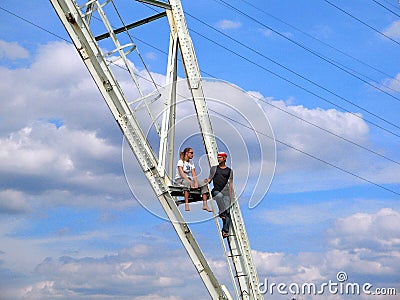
(77, 20)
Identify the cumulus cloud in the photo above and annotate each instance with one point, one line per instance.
(12, 51)
(304, 150)
(57, 155)
(57, 134)
(364, 245)
(139, 271)
(133, 273)
(56, 86)
(367, 246)
(361, 230)
(312, 140)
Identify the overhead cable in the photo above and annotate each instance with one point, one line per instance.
(297, 85)
(325, 44)
(388, 9)
(362, 22)
(330, 61)
(290, 70)
(310, 155)
(33, 24)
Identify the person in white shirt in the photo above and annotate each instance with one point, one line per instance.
(186, 177)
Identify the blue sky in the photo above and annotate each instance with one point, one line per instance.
(325, 74)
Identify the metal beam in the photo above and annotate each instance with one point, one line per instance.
(156, 3)
(130, 26)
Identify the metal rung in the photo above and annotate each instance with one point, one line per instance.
(234, 255)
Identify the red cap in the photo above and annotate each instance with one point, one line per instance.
(223, 154)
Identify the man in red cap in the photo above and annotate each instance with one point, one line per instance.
(222, 178)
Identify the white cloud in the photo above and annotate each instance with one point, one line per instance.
(393, 30)
(310, 139)
(228, 24)
(266, 32)
(364, 245)
(272, 263)
(392, 83)
(56, 86)
(140, 272)
(151, 55)
(68, 156)
(13, 202)
(135, 273)
(59, 145)
(362, 230)
(24, 153)
(12, 51)
(307, 156)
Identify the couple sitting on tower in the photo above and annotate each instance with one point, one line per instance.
(221, 176)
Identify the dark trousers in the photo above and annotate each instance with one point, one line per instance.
(226, 222)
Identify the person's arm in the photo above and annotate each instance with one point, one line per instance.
(194, 175)
(183, 174)
(211, 176)
(231, 186)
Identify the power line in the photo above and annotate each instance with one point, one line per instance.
(324, 43)
(310, 155)
(336, 105)
(306, 153)
(330, 61)
(328, 131)
(297, 85)
(33, 24)
(362, 22)
(287, 112)
(290, 70)
(260, 99)
(291, 114)
(391, 4)
(388, 9)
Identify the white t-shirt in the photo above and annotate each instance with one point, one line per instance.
(187, 166)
